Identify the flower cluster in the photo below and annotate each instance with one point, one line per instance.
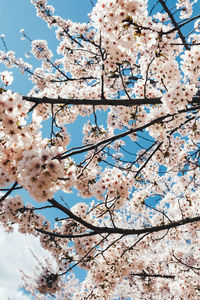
(40, 50)
(41, 174)
(191, 64)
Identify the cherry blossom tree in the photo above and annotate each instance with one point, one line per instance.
(132, 74)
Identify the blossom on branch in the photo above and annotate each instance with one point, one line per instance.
(114, 177)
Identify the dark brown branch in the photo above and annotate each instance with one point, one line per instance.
(137, 242)
(158, 147)
(181, 44)
(121, 135)
(123, 231)
(8, 192)
(183, 24)
(65, 236)
(16, 188)
(83, 257)
(176, 26)
(184, 264)
(109, 102)
(144, 275)
(148, 159)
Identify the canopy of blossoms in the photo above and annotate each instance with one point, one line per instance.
(132, 74)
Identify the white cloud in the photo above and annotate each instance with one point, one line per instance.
(15, 255)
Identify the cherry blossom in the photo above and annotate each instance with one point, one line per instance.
(6, 77)
(128, 81)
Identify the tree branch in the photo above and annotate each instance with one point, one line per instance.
(177, 27)
(144, 275)
(8, 192)
(109, 102)
(121, 135)
(118, 230)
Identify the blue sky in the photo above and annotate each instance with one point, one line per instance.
(15, 15)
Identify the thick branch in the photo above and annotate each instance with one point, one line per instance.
(65, 236)
(109, 102)
(144, 275)
(116, 230)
